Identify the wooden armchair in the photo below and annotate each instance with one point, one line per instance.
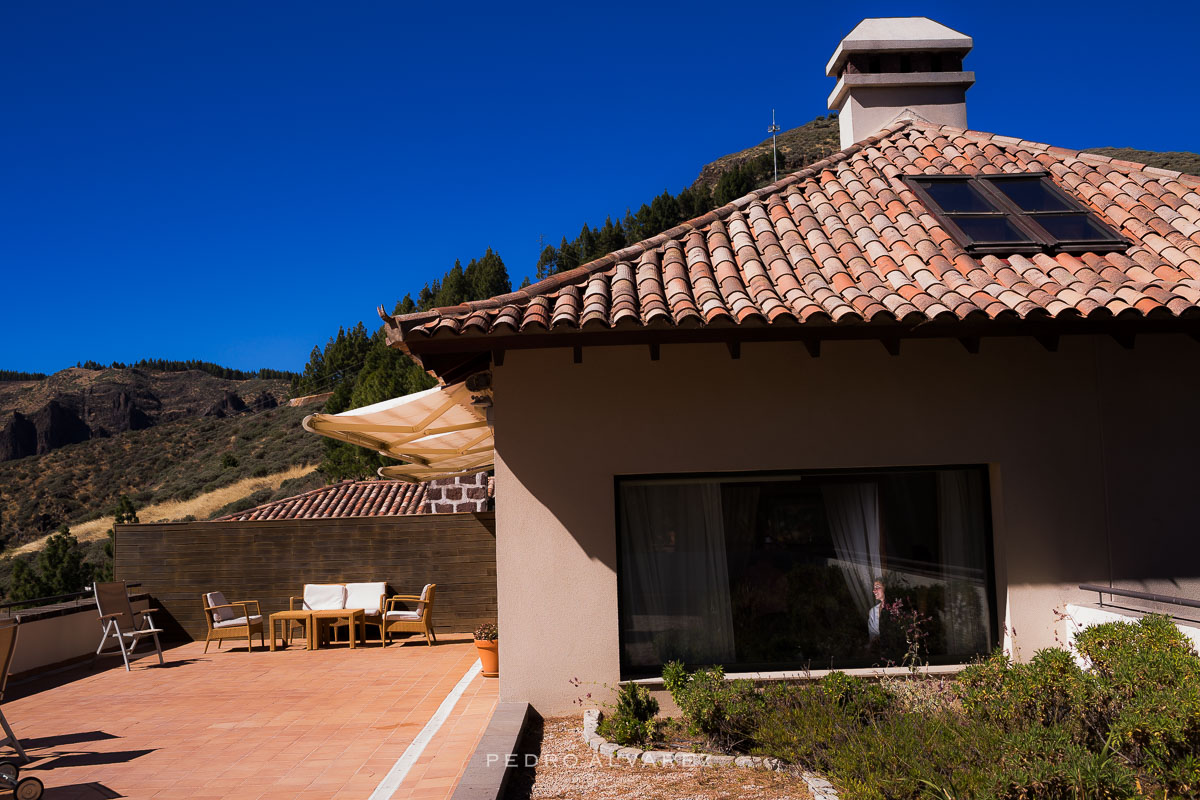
(418, 620)
(232, 620)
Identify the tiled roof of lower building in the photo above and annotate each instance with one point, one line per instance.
(846, 242)
(376, 498)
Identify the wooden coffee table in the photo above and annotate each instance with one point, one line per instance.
(287, 618)
(322, 619)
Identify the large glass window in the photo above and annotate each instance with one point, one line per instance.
(803, 571)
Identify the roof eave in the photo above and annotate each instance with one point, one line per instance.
(401, 326)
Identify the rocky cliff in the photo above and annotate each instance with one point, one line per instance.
(76, 405)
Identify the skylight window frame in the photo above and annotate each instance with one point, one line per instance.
(1040, 239)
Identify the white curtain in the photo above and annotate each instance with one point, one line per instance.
(674, 574)
(853, 513)
(961, 531)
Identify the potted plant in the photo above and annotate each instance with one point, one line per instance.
(486, 642)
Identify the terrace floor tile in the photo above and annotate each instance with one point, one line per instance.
(227, 724)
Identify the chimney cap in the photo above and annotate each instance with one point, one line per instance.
(882, 34)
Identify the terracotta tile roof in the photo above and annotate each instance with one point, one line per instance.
(377, 498)
(845, 241)
(345, 499)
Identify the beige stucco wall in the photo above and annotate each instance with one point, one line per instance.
(1091, 452)
(54, 641)
(869, 109)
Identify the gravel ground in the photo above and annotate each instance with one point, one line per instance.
(568, 769)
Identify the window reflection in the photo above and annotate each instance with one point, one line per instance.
(781, 572)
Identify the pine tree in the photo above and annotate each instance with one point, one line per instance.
(610, 237)
(405, 306)
(61, 564)
(547, 263)
(314, 374)
(426, 295)
(633, 229)
(25, 583)
(568, 256)
(487, 277)
(125, 513)
(586, 245)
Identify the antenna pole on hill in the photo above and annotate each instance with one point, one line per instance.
(774, 129)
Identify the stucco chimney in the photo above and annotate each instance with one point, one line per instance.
(899, 68)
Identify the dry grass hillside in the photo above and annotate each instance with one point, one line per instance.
(179, 466)
(203, 506)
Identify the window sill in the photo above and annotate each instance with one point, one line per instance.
(943, 670)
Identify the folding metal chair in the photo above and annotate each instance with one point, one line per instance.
(121, 622)
(8, 646)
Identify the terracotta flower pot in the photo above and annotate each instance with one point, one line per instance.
(489, 657)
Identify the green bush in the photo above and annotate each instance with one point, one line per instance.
(1049, 690)
(1131, 656)
(857, 697)
(1047, 763)
(1128, 726)
(724, 711)
(632, 721)
(1148, 705)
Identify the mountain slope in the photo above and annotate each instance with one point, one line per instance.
(1180, 161)
(817, 139)
(798, 147)
(242, 494)
(194, 434)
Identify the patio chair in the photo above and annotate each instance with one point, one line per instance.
(8, 646)
(371, 598)
(119, 621)
(418, 620)
(225, 621)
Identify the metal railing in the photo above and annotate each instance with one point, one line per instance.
(39, 602)
(1136, 595)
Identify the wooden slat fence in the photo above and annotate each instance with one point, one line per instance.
(270, 561)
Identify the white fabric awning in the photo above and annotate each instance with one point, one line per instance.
(436, 433)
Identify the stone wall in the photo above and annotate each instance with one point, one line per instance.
(463, 494)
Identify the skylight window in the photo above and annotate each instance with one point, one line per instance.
(1013, 213)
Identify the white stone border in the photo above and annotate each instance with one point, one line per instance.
(821, 788)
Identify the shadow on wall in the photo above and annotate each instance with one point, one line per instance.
(1098, 466)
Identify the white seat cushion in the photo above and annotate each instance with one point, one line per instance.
(237, 622)
(408, 615)
(365, 596)
(324, 596)
(219, 614)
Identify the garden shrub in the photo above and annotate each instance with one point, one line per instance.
(1048, 762)
(857, 697)
(1158, 730)
(724, 711)
(1128, 726)
(632, 721)
(1049, 690)
(1131, 656)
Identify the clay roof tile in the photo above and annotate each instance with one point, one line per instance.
(845, 240)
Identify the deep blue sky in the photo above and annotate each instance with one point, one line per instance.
(233, 181)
